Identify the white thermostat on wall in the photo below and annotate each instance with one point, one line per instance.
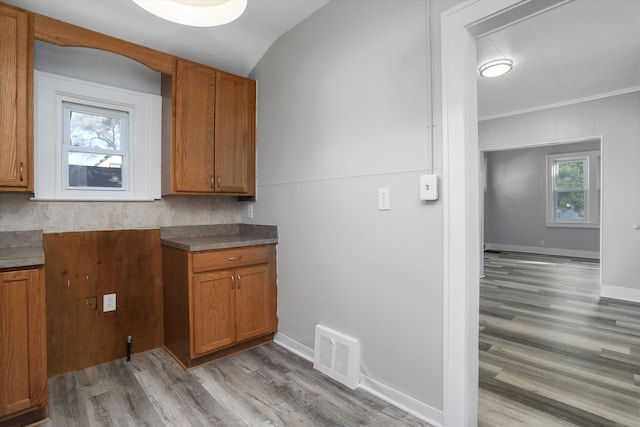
(428, 187)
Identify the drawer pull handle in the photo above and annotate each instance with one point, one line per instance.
(234, 258)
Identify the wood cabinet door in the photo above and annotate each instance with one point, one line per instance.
(235, 134)
(252, 302)
(22, 341)
(213, 311)
(193, 151)
(15, 107)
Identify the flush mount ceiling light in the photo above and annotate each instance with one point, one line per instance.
(496, 68)
(195, 13)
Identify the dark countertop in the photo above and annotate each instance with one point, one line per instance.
(220, 236)
(21, 249)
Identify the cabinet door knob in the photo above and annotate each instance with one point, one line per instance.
(212, 184)
(238, 281)
(21, 170)
(218, 182)
(233, 281)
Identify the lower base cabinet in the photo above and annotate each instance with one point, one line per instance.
(23, 352)
(218, 302)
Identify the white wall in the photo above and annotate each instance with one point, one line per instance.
(616, 120)
(343, 104)
(515, 204)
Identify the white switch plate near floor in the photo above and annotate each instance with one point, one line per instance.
(109, 303)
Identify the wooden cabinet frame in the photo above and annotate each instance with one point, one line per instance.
(23, 346)
(218, 302)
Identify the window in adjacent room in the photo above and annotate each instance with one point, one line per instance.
(573, 192)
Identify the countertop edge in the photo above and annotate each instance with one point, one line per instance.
(230, 244)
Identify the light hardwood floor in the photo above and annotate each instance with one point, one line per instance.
(552, 353)
(267, 386)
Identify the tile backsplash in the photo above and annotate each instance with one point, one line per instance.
(18, 212)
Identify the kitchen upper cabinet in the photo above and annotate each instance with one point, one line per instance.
(235, 134)
(23, 384)
(16, 105)
(194, 137)
(212, 144)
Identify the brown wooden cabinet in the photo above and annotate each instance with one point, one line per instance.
(23, 383)
(218, 302)
(212, 137)
(16, 105)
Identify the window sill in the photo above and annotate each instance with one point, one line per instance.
(572, 224)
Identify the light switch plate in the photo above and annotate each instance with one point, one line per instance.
(429, 187)
(384, 203)
(109, 303)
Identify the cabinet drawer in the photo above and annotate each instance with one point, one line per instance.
(231, 258)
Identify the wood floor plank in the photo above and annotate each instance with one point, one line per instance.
(266, 386)
(551, 350)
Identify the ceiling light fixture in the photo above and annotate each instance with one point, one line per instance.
(195, 13)
(496, 68)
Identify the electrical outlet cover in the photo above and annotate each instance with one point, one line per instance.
(109, 303)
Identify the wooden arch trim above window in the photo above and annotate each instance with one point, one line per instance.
(64, 34)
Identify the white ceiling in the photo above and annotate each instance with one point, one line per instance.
(234, 47)
(581, 49)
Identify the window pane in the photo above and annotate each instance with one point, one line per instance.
(95, 130)
(570, 205)
(570, 175)
(95, 170)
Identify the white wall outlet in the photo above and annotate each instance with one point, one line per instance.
(428, 187)
(250, 211)
(384, 203)
(109, 303)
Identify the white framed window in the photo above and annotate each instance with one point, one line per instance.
(95, 142)
(573, 189)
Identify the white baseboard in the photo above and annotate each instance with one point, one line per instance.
(407, 403)
(618, 292)
(543, 250)
(293, 346)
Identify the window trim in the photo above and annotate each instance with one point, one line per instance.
(591, 190)
(145, 131)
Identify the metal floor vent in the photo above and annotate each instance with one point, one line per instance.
(337, 356)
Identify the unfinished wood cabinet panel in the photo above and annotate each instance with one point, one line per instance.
(212, 138)
(23, 363)
(81, 268)
(211, 314)
(16, 105)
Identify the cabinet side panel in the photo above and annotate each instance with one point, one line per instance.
(175, 277)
